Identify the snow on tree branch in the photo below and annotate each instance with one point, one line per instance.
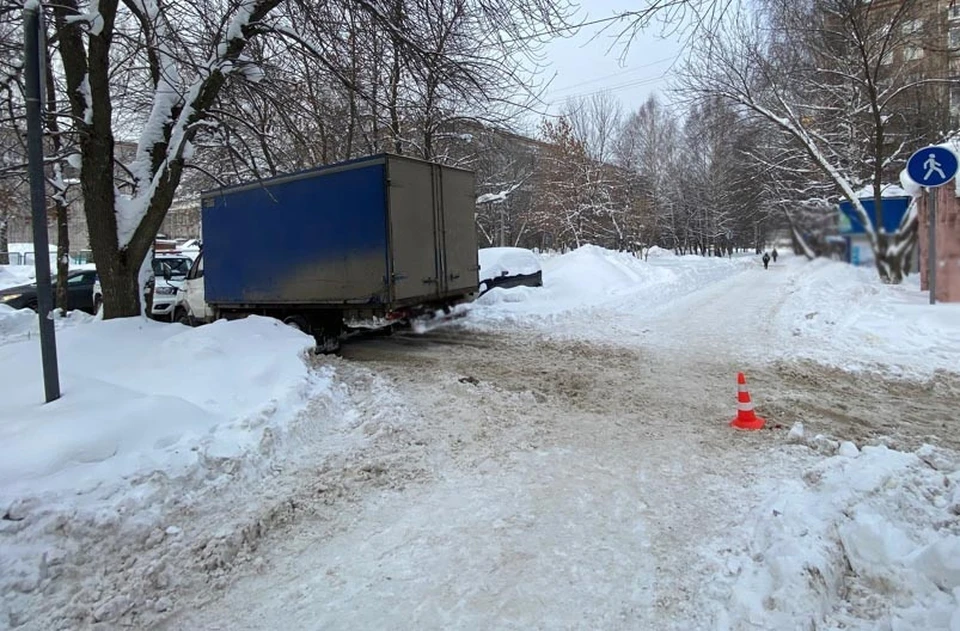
(163, 143)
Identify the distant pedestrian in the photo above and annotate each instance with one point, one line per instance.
(774, 255)
(766, 260)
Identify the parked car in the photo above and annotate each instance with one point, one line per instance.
(79, 292)
(191, 307)
(508, 267)
(169, 269)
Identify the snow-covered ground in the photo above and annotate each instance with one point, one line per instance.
(13, 275)
(559, 458)
(863, 540)
(153, 418)
(844, 316)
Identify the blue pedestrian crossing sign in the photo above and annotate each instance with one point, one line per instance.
(932, 166)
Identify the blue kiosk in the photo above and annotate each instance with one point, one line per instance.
(858, 251)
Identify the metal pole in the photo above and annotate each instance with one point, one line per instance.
(38, 201)
(932, 241)
(503, 226)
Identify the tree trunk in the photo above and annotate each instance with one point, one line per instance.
(121, 289)
(118, 275)
(893, 253)
(63, 255)
(4, 239)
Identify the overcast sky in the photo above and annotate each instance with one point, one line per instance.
(584, 64)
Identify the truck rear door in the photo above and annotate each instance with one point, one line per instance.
(412, 230)
(459, 236)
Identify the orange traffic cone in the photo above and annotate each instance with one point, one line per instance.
(746, 418)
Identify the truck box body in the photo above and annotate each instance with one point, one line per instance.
(384, 231)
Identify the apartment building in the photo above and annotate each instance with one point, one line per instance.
(926, 46)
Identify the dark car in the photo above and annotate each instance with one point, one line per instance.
(79, 293)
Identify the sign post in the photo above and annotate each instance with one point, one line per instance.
(932, 244)
(32, 44)
(932, 167)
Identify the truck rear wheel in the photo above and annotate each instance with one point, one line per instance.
(327, 328)
(327, 343)
(297, 322)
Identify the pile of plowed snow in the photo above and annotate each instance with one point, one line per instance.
(592, 277)
(158, 424)
(846, 316)
(865, 540)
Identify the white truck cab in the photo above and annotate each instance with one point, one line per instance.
(191, 307)
(169, 273)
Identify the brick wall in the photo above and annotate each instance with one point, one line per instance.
(948, 243)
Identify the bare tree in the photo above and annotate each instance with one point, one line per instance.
(648, 149)
(834, 96)
(58, 139)
(263, 86)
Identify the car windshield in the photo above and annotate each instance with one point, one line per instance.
(177, 266)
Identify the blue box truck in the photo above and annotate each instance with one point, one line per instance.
(384, 237)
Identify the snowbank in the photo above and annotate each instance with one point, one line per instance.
(845, 316)
(495, 262)
(584, 278)
(153, 418)
(16, 322)
(591, 278)
(13, 275)
(24, 324)
(657, 252)
(865, 540)
(593, 272)
(140, 396)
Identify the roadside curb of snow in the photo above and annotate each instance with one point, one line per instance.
(864, 536)
(67, 565)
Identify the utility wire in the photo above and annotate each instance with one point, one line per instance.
(616, 75)
(564, 29)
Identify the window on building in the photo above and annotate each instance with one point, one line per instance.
(955, 38)
(955, 12)
(887, 58)
(955, 99)
(912, 53)
(955, 66)
(911, 26)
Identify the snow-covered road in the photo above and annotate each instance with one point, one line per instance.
(557, 485)
(577, 473)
